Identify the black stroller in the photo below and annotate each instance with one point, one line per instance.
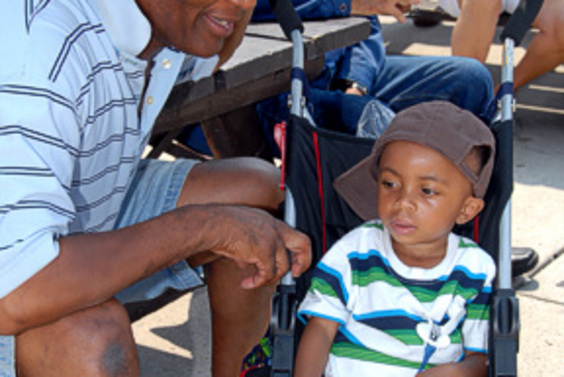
(314, 157)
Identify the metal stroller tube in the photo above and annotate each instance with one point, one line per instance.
(505, 322)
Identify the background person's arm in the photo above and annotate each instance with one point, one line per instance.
(396, 8)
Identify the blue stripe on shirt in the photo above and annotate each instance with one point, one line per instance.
(69, 41)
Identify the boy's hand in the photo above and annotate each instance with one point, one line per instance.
(473, 365)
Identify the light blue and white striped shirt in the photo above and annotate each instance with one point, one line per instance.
(71, 135)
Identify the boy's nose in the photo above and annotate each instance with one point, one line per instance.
(405, 201)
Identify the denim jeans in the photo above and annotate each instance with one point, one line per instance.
(7, 356)
(408, 80)
(402, 82)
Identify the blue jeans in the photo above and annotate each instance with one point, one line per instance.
(403, 82)
(408, 80)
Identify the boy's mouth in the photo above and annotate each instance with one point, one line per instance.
(403, 227)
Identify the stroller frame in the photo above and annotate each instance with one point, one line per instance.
(504, 317)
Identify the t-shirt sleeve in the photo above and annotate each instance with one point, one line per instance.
(35, 174)
(329, 293)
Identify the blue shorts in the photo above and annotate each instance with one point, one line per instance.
(155, 190)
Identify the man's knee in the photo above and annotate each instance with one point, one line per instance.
(95, 342)
(241, 181)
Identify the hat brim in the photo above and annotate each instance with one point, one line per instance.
(358, 186)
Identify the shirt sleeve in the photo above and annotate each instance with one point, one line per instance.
(37, 131)
(363, 61)
(329, 294)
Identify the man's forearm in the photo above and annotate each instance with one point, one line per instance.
(92, 268)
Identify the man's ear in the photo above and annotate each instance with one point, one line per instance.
(470, 209)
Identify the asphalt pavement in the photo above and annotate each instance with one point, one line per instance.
(174, 341)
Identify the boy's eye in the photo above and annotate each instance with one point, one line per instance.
(428, 191)
(388, 184)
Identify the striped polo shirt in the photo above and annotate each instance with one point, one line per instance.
(386, 309)
(73, 124)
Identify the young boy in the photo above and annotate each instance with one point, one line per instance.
(403, 295)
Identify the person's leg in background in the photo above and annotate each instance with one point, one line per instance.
(408, 80)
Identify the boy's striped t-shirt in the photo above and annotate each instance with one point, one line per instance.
(381, 303)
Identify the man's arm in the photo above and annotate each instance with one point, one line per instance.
(324, 9)
(91, 268)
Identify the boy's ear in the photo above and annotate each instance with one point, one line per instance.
(470, 209)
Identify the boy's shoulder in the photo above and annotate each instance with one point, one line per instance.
(365, 237)
(472, 256)
(373, 229)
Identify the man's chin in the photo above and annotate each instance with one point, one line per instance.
(205, 50)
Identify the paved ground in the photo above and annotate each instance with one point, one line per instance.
(167, 350)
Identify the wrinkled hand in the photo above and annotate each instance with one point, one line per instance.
(252, 236)
(396, 8)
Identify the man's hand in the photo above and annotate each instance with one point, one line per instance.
(252, 236)
(396, 8)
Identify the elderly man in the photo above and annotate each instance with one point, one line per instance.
(83, 219)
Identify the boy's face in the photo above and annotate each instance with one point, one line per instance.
(421, 195)
(197, 27)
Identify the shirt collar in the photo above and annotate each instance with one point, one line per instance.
(129, 29)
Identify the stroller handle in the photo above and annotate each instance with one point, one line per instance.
(521, 20)
(286, 16)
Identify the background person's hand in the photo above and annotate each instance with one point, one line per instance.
(252, 236)
(396, 8)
